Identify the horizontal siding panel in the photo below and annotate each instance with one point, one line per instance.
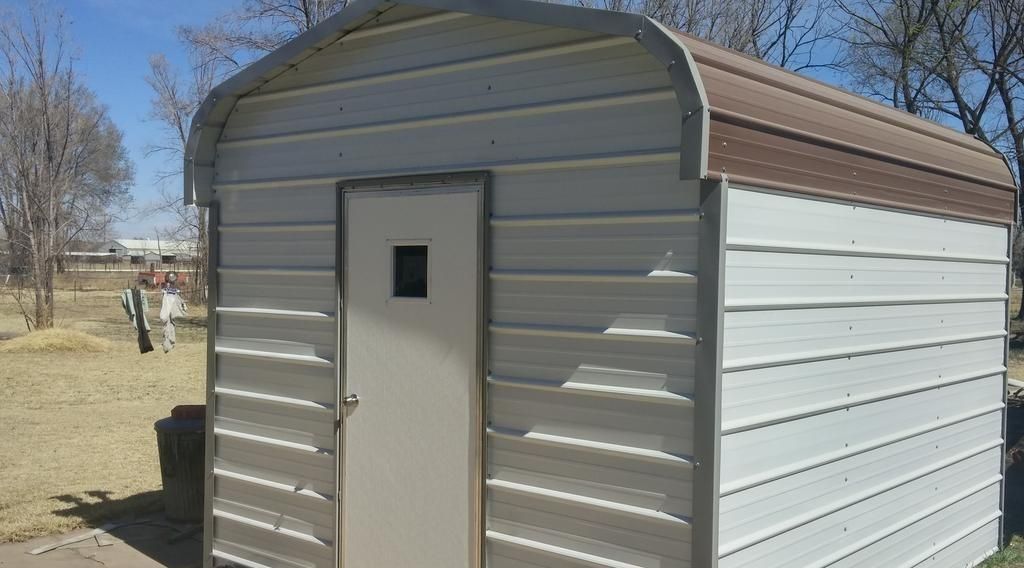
(279, 248)
(630, 128)
(619, 479)
(266, 546)
(471, 90)
(933, 532)
(276, 422)
(289, 511)
(628, 540)
(811, 544)
(788, 447)
(597, 305)
(607, 362)
(627, 247)
(314, 336)
(463, 38)
(303, 471)
(760, 396)
(593, 190)
(278, 203)
(769, 508)
(765, 219)
(300, 382)
(969, 550)
(628, 423)
(309, 292)
(773, 337)
(780, 279)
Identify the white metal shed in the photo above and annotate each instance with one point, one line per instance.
(544, 286)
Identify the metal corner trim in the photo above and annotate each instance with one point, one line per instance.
(708, 371)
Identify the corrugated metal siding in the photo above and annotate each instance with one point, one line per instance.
(863, 386)
(801, 135)
(274, 455)
(593, 271)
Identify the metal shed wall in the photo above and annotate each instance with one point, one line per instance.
(593, 254)
(863, 385)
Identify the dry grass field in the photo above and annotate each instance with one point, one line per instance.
(78, 445)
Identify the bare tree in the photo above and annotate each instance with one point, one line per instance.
(788, 33)
(174, 102)
(889, 46)
(237, 37)
(228, 43)
(959, 62)
(62, 161)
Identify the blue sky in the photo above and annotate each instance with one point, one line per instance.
(114, 39)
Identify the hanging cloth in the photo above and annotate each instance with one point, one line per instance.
(135, 305)
(172, 306)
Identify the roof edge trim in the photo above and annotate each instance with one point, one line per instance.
(664, 45)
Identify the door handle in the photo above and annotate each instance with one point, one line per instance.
(351, 400)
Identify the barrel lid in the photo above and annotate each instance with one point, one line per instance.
(172, 424)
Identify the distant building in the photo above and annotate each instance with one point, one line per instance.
(144, 252)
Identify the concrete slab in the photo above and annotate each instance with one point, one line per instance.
(145, 543)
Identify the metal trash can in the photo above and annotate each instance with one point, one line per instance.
(181, 440)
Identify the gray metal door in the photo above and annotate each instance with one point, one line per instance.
(411, 415)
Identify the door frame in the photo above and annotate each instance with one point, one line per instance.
(425, 184)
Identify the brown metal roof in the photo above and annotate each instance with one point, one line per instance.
(775, 129)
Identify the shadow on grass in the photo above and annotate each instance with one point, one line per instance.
(141, 525)
(1013, 524)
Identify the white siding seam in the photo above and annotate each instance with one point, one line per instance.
(584, 161)
(752, 539)
(598, 505)
(955, 538)
(275, 271)
(283, 487)
(798, 248)
(629, 452)
(272, 313)
(443, 68)
(306, 448)
(557, 552)
(589, 219)
(507, 112)
(823, 459)
(606, 334)
(750, 363)
(271, 528)
(275, 399)
(604, 391)
(893, 529)
(625, 277)
(797, 304)
(763, 420)
(277, 227)
(238, 560)
(270, 355)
